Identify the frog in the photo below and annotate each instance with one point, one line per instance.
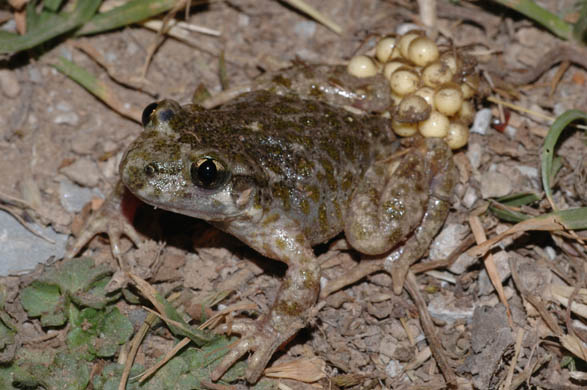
(289, 162)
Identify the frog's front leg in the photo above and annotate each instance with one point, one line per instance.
(290, 311)
(403, 200)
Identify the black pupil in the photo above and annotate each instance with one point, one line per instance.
(207, 172)
(147, 113)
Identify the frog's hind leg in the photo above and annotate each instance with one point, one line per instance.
(388, 203)
(289, 313)
(443, 176)
(401, 203)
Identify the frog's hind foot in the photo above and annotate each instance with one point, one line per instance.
(259, 337)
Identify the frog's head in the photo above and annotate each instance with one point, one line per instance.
(171, 167)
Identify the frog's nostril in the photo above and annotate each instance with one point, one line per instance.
(150, 169)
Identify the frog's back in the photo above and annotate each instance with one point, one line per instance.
(306, 156)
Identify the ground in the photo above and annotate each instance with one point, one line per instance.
(57, 139)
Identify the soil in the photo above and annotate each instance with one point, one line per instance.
(53, 131)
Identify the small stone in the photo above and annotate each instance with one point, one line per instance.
(531, 172)
(461, 264)
(482, 121)
(387, 347)
(394, 368)
(83, 171)
(470, 197)
(63, 106)
(34, 75)
(501, 260)
(9, 83)
(495, 185)
(474, 154)
(449, 309)
(73, 197)
(447, 241)
(83, 143)
(305, 29)
(68, 118)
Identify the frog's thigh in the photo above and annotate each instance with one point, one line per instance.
(388, 203)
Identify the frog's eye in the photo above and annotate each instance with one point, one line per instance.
(208, 173)
(147, 113)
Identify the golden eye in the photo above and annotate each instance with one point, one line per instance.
(208, 173)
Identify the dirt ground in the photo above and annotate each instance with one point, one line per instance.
(54, 134)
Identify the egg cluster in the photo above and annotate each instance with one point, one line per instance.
(431, 87)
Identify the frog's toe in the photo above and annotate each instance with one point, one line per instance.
(261, 339)
(114, 226)
(236, 352)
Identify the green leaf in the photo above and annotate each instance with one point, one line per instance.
(51, 371)
(549, 145)
(98, 333)
(47, 25)
(52, 5)
(184, 329)
(519, 199)
(580, 29)
(83, 281)
(126, 14)
(109, 378)
(44, 300)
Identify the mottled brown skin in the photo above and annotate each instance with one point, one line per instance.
(289, 173)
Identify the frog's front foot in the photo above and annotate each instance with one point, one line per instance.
(113, 219)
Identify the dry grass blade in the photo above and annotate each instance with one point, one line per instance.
(574, 345)
(168, 356)
(562, 294)
(428, 327)
(490, 266)
(135, 344)
(549, 222)
(303, 370)
(517, 348)
(315, 14)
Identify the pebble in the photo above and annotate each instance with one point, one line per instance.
(67, 118)
(73, 197)
(305, 29)
(470, 197)
(495, 185)
(21, 250)
(34, 75)
(474, 154)
(461, 264)
(449, 309)
(448, 240)
(530, 172)
(9, 83)
(482, 121)
(83, 171)
(394, 368)
(502, 264)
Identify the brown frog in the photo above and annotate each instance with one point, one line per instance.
(283, 167)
